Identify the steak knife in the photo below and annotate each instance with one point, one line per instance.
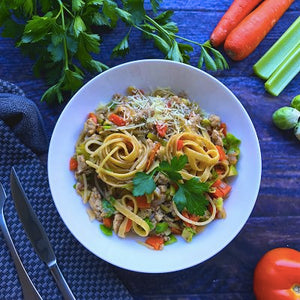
(37, 234)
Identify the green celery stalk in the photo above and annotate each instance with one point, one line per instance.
(285, 72)
(278, 52)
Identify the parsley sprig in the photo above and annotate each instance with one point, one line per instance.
(163, 32)
(190, 194)
(62, 36)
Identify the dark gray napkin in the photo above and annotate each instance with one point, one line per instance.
(23, 117)
(88, 276)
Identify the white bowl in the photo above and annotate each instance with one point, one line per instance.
(213, 97)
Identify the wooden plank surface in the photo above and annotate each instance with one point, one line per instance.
(275, 220)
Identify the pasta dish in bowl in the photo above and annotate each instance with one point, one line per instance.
(159, 161)
(154, 165)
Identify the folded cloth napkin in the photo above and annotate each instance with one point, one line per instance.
(22, 115)
(88, 276)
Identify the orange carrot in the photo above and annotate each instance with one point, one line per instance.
(107, 222)
(220, 169)
(192, 217)
(222, 189)
(93, 117)
(179, 145)
(244, 39)
(218, 193)
(117, 120)
(152, 155)
(221, 151)
(224, 128)
(238, 10)
(73, 164)
(175, 230)
(141, 202)
(128, 225)
(155, 241)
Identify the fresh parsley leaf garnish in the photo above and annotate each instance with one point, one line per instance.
(171, 169)
(108, 208)
(143, 184)
(191, 195)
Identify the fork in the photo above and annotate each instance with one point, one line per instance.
(29, 290)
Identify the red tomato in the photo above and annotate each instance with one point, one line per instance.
(277, 275)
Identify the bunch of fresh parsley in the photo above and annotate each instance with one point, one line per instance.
(190, 194)
(62, 37)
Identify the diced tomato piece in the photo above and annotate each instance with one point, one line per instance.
(73, 164)
(93, 117)
(161, 129)
(107, 222)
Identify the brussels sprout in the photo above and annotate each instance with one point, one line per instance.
(297, 131)
(286, 117)
(296, 102)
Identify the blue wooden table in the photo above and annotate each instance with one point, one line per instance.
(275, 220)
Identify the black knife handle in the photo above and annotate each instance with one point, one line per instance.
(61, 282)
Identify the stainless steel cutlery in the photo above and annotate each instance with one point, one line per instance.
(29, 290)
(38, 238)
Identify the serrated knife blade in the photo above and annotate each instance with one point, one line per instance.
(36, 233)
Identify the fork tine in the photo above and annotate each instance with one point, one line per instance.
(2, 193)
(28, 288)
